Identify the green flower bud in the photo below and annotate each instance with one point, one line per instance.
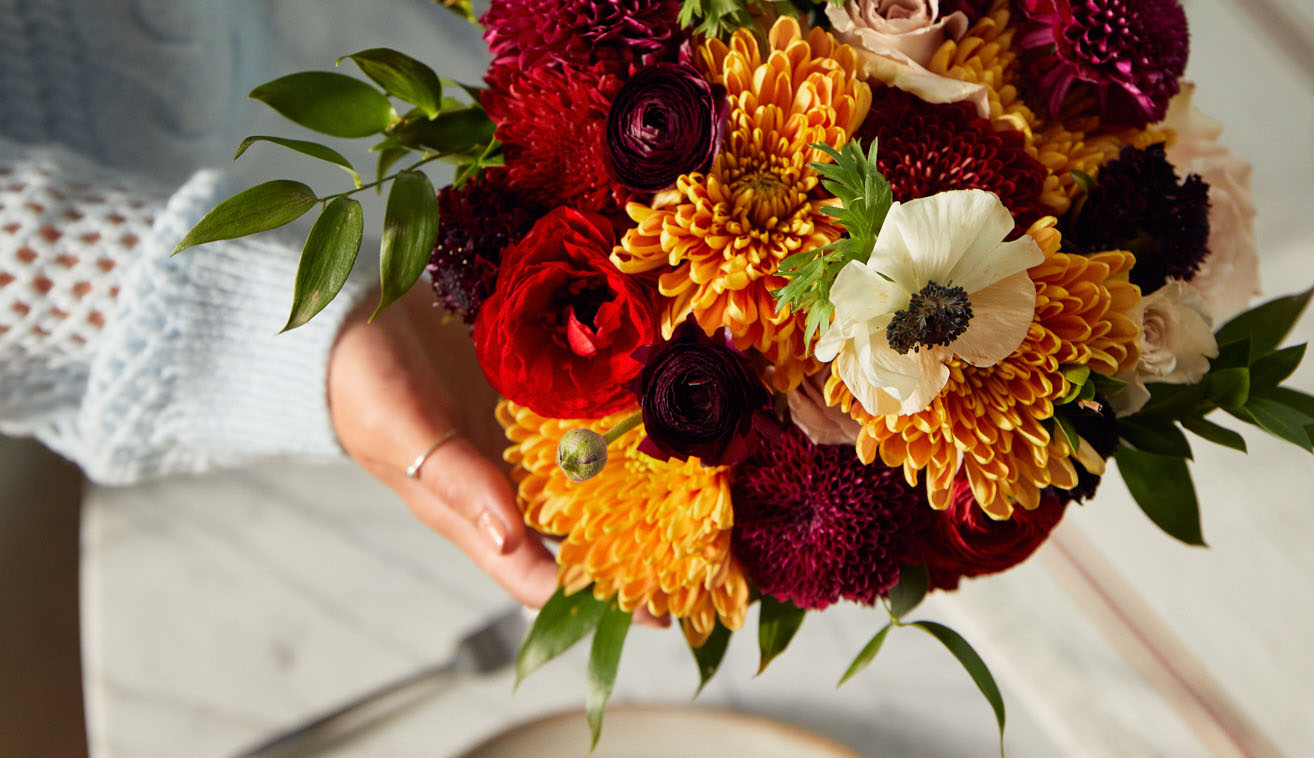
(581, 454)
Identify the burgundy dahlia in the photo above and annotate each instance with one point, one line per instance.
(962, 541)
(813, 524)
(927, 148)
(1131, 52)
(475, 223)
(665, 121)
(1140, 205)
(551, 124)
(701, 397)
(528, 33)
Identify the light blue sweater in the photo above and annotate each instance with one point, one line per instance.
(127, 361)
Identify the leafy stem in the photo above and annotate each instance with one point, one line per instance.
(428, 158)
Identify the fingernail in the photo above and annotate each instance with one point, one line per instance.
(492, 529)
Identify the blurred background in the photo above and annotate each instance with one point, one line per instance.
(195, 614)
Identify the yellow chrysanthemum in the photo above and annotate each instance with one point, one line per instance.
(990, 421)
(718, 239)
(646, 532)
(986, 55)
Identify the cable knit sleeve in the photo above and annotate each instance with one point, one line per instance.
(133, 363)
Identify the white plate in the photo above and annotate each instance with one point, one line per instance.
(659, 732)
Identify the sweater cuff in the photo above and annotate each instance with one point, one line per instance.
(193, 373)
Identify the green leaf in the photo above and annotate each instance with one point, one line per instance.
(462, 8)
(1083, 179)
(1161, 486)
(452, 132)
(778, 620)
(1293, 399)
(1069, 431)
(709, 655)
(1155, 435)
(562, 622)
(326, 259)
(402, 76)
(1276, 419)
(258, 209)
(387, 157)
(1266, 325)
(1232, 355)
(1108, 386)
(327, 102)
(604, 659)
(867, 654)
(1219, 435)
(313, 149)
(1173, 400)
(410, 225)
(976, 667)
(1077, 374)
(914, 581)
(1274, 368)
(1229, 387)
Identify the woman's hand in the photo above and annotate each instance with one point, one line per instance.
(398, 385)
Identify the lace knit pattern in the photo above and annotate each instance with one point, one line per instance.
(134, 363)
(64, 245)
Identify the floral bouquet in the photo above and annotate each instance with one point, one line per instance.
(793, 303)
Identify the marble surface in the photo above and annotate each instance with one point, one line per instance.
(219, 608)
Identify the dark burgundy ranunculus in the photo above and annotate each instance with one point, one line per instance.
(667, 120)
(700, 397)
(962, 541)
(557, 334)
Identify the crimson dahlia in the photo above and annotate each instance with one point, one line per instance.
(813, 524)
(927, 148)
(1131, 52)
(551, 123)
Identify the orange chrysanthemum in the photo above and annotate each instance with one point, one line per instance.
(986, 55)
(718, 238)
(993, 422)
(646, 532)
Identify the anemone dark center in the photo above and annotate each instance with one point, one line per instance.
(936, 315)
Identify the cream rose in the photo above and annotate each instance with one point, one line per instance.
(896, 40)
(823, 424)
(1228, 278)
(1176, 342)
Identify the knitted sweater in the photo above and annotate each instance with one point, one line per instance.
(128, 361)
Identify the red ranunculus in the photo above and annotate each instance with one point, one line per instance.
(557, 333)
(962, 541)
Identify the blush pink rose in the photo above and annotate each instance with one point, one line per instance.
(896, 39)
(1228, 279)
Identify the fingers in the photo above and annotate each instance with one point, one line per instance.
(473, 487)
(526, 570)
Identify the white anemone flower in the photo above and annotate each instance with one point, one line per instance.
(941, 283)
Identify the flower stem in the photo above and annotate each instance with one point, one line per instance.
(426, 159)
(628, 423)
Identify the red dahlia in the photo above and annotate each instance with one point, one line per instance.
(475, 223)
(927, 148)
(552, 124)
(1131, 52)
(528, 33)
(813, 524)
